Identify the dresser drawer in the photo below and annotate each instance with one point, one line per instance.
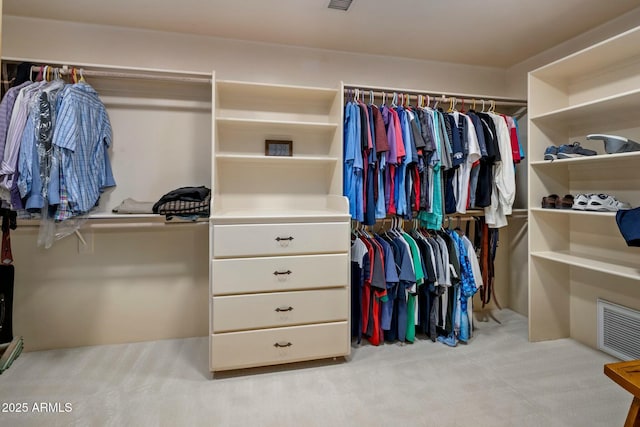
(237, 350)
(279, 239)
(238, 312)
(250, 275)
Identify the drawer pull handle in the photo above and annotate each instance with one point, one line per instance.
(282, 345)
(279, 239)
(279, 309)
(279, 273)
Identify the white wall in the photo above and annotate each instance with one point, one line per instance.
(237, 60)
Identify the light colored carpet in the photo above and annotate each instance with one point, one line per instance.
(499, 379)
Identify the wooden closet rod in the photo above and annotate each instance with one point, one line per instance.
(65, 70)
(458, 99)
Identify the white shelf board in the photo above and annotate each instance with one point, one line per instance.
(590, 262)
(248, 90)
(276, 124)
(119, 220)
(588, 159)
(274, 159)
(574, 212)
(615, 50)
(275, 215)
(612, 112)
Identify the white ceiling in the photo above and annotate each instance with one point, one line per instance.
(496, 33)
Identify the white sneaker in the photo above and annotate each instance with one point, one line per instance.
(581, 201)
(605, 203)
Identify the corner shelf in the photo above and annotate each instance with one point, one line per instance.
(591, 262)
(595, 90)
(269, 124)
(591, 116)
(574, 212)
(276, 159)
(588, 160)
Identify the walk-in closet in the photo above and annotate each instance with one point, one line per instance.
(318, 213)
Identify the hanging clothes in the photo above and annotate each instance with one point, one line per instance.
(406, 283)
(54, 142)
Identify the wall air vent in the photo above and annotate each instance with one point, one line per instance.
(618, 330)
(340, 4)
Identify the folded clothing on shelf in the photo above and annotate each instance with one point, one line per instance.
(132, 206)
(184, 202)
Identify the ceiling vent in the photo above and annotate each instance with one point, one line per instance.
(340, 4)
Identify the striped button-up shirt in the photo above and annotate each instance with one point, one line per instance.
(83, 135)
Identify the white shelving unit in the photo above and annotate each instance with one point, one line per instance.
(576, 257)
(285, 296)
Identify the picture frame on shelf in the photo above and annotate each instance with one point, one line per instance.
(274, 147)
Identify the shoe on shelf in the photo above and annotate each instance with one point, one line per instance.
(550, 202)
(551, 152)
(614, 144)
(605, 203)
(568, 151)
(581, 201)
(566, 202)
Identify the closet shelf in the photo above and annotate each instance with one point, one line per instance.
(574, 212)
(268, 124)
(273, 216)
(615, 50)
(589, 262)
(181, 104)
(228, 89)
(590, 160)
(124, 221)
(613, 112)
(261, 158)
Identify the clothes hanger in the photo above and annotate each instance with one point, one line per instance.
(452, 104)
(394, 100)
(371, 97)
(482, 105)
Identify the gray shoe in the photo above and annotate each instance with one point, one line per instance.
(568, 151)
(616, 144)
